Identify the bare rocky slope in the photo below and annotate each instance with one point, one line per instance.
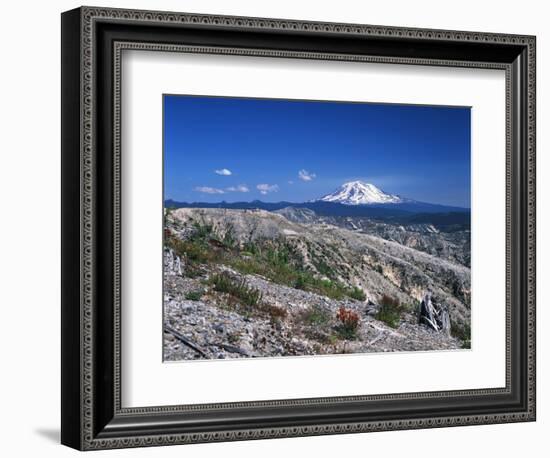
(244, 283)
(451, 242)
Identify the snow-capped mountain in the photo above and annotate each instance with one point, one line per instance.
(352, 199)
(361, 193)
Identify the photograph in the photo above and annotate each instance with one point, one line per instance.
(308, 228)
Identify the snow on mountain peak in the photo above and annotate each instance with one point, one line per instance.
(360, 193)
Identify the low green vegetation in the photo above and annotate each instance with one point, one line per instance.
(357, 294)
(307, 281)
(323, 268)
(276, 260)
(316, 316)
(246, 296)
(282, 265)
(233, 337)
(194, 295)
(390, 311)
(317, 323)
(201, 247)
(202, 231)
(225, 283)
(229, 237)
(195, 251)
(463, 333)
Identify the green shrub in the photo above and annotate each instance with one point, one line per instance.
(252, 248)
(194, 295)
(279, 256)
(316, 316)
(229, 238)
(300, 282)
(462, 332)
(357, 294)
(192, 271)
(195, 251)
(225, 283)
(390, 311)
(323, 268)
(233, 337)
(202, 231)
(327, 288)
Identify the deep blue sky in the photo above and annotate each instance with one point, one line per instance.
(418, 152)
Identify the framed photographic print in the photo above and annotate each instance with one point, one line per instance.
(277, 228)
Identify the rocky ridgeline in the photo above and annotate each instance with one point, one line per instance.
(451, 243)
(223, 300)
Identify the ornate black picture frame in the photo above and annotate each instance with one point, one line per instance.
(92, 42)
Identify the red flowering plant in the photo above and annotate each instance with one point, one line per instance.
(349, 322)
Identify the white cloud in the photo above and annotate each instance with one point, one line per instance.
(224, 172)
(239, 188)
(265, 188)
(209, 190)
(290, 182)
(304, 175)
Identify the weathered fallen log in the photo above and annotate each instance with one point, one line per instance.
(184, 340)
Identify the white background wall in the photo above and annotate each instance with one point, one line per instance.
(30, 240)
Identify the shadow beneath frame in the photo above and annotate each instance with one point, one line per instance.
(53, 435)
